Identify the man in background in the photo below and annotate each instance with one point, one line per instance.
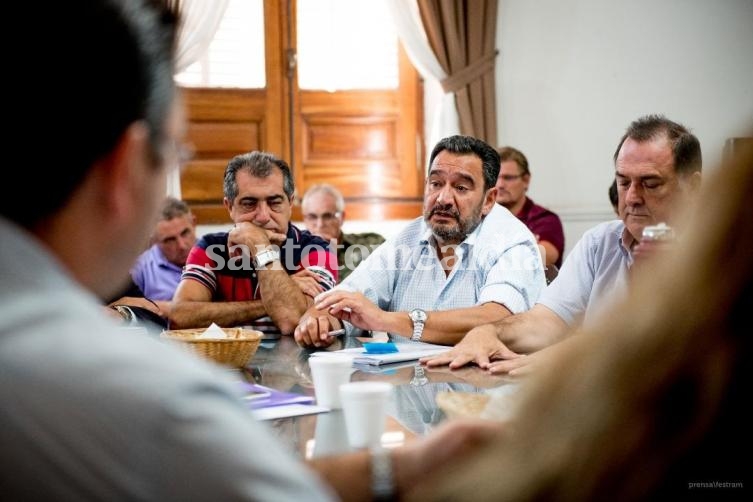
(323, 214)
(147, 300)
(158, 269)
(658, 169)
(265, 272)
(512, 185)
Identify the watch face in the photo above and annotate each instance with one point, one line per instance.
(417, 315)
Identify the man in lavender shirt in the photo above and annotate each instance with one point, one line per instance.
(158, 269)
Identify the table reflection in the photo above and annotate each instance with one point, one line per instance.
(412, 410)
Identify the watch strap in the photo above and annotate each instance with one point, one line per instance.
(265, 257)
(382, 477)
(418, 331)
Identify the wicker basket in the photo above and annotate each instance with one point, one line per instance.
(236, 350)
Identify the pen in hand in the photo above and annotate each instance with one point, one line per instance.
(336, 332)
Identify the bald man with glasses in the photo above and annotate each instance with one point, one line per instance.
(323, 214)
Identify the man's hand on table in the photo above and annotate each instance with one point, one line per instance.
(518, 366)
(480, 346)
(331, 306)
(527, 364)
(312, 330)
(352, 307)
(308, 281)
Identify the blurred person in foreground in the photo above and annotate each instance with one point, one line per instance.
(323, 209)
(92, 413)
(658, 170)
(650, 402)
(512, 186)
(466, 261)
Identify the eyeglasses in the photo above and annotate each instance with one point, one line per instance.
(326, 217)
(510, 177)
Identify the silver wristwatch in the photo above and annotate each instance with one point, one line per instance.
(418, 317)
(382, 477)
(264, 258)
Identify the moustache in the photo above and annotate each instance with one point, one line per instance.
(445, 211)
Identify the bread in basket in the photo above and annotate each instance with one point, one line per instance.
(236, 350)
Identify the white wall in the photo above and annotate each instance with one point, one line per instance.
(572, 74)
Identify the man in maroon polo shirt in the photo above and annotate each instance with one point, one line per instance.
(512, 185)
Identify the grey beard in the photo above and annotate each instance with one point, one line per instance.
(458, 233)
(450, 234)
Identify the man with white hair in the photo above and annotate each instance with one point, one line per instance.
(323, 214)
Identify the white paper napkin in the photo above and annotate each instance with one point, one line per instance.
(214, 332)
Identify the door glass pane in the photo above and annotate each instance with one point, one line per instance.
(346, 44)
(236, 55)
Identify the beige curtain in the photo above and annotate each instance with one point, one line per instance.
(462, 35)
(199, 22)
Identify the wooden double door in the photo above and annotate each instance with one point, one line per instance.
(367, 143)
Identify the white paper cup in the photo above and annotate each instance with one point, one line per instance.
(329, 436)
(328, 373)
(365, 410)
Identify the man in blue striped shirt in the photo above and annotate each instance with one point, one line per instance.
(465, 262)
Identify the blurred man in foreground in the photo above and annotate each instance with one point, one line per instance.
(92, 413)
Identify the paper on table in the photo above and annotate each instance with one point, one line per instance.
(213, 332)
(272, 397)
(406, 352)
(288, 410)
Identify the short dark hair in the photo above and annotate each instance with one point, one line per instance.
(509, 153)
(686, 149)
(260, 165)
(468, 144)
(115, 67)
